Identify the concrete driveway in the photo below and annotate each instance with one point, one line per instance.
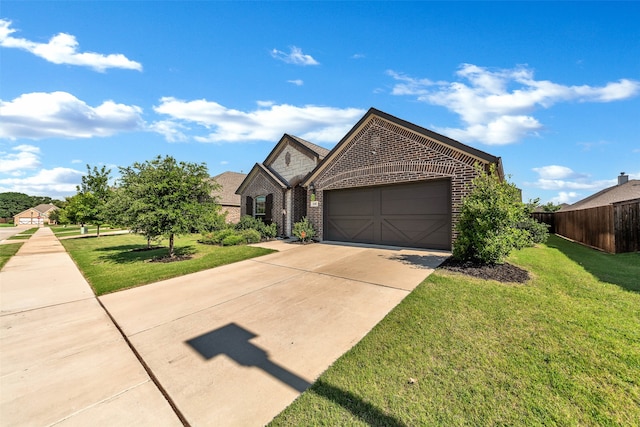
(235, 345)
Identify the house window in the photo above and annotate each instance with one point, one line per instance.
(261, 206)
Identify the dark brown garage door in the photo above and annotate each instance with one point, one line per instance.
(415, 215)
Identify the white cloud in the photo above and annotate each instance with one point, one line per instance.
(171, 130)
(557, 177)
(268, 123)
(59, 114)
(296, 82)
(56, 182)
(295, 56)
(565, 197)
(496, 106)
(554, 172)
(26, 157)
(63, 49)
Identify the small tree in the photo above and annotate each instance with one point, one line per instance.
(89, 205)
(163, 197)
(489, 217)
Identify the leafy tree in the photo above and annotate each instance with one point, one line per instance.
(12, 203)
(551, 207)
(89, 205)
(491, 221)
(163, 197)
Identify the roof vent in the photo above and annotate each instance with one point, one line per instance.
(623, 178)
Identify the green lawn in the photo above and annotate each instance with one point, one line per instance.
(112, 263)
(7, 251)
(74, 230)
(563, 349)
(24, 234)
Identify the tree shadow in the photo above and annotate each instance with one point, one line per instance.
(127, 254)
(367, 412)
(619, 269)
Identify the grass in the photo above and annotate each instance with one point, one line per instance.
(112, 263)
(74, 230)
(563, 349)
(24, 234)
(7, 251)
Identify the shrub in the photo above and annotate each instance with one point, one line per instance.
(538, 232)
(251, 236)
(232, 240)
(488, 224)
(304, 230)
(269, 231)
(216, 237)
(248, 222)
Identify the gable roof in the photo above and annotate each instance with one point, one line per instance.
(45, 207)
(229, 183)
(618, 193)
(451, 143)
(310, 149)
(258, 168)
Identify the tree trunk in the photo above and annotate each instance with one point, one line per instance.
(171, 254)
(98, 232)
(148, 242)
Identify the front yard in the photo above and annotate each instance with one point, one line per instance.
(114, 262)
(563, 349)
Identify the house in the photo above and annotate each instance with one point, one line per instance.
(608, 220)
(226, 195)
(272, 190)
(625, 190)
(38, 215)
(387, 181)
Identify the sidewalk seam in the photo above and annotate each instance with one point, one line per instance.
(146, 367)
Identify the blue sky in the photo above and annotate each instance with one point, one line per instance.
(552, 88)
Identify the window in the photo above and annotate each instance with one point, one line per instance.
(261, 206)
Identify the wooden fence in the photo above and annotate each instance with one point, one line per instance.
(613, 228)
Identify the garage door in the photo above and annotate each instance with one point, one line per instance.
(415, 215)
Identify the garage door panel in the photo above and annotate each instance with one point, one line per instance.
(415, 214)
(351, 229)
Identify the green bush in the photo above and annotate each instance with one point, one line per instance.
(248, 222)
(538, 232)
(232, 240)
(304, 230)
(489, 217)
(251, 236)
(216, 237)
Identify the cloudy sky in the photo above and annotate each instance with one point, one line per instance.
(552, 88)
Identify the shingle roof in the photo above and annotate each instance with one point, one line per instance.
(321, 151)
(618, 193)
(229, 181)
(45, 207)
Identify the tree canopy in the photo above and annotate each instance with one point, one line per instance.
(89, 204)
(12, 203)
(164, 197)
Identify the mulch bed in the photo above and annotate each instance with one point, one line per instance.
(506, 273)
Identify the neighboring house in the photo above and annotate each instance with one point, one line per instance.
(607, 220)
(38, 215)
(625, 190)
(272, 191)
(227, 197)
(386, 182)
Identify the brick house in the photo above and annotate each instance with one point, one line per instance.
(272, 191)
(38, 215)
(389, 182)
(226, 195)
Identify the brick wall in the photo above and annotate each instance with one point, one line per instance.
(261, 186)
(292, 165)
(385, 153)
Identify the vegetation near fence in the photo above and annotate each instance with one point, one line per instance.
(613, 228)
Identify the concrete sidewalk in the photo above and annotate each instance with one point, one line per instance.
(62, 360)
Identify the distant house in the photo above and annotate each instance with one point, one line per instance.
(227, 197)
(608, 220)
(37, 215)
(625, 190)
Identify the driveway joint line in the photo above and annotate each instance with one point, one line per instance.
(336, 276)
(10, 313)
(214, 305)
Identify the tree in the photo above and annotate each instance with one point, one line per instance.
(12, 203)
(93, 195)
(163, 197)
(490, 222)
(551, 207)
